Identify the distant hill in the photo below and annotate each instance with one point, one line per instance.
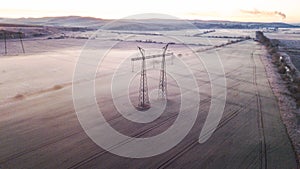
(297, 24)
(139, 25)
(66, 21)
(240, 25)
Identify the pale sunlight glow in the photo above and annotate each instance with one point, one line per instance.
(236, 10)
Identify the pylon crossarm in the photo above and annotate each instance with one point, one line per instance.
(151, 56)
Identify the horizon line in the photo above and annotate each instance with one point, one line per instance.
(62, 16)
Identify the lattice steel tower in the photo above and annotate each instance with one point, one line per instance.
(162, 88)
(144, 102)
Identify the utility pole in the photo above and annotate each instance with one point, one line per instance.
(162, 88)
(144, 102)
(20, 36)
(5, 47)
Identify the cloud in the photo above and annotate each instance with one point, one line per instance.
(264, 13)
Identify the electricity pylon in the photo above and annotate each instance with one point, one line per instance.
(144, 102)
(162, 88)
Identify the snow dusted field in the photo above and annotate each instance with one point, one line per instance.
(46, 63)
(289, 43)
(50, 62)
(40, 129)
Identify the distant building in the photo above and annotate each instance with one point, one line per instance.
(273, 29)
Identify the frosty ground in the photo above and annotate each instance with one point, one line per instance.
(40, 129)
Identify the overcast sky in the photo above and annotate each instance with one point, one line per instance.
(235, 10)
